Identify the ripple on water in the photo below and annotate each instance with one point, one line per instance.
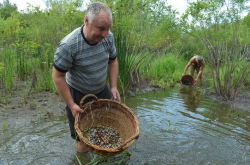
(177, 126)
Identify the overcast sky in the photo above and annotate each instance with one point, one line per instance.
(22, 4)
(179, 5)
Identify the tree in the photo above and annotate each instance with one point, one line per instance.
(6, 8)
(220, 27)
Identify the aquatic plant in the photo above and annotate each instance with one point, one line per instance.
(99, 159)
(4, 126)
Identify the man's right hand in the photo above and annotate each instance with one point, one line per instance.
(195, 81)
(75, 109)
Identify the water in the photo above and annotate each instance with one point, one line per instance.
(179, 126)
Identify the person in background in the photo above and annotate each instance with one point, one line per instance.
(197, 64)
(83, 60)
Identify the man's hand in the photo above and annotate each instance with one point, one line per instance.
(115, 94)
(75, 109)
(195, 81)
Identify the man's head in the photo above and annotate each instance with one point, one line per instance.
(98, 20)
(199, 59)
(95, 8)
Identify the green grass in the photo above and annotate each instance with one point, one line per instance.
(99, 159)
(4, 126)
(17, 65)
(164, 71)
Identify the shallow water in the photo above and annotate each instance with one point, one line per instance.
(177, 126)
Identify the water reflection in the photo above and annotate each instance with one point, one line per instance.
(190, 96)
(208, 133)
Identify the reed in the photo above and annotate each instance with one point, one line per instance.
(8, 58)
(19, 63)
(171, 127)
(22, 69)
(100, 159)
(4, 126)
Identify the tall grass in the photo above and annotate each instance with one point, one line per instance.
(8, 70)
(129, 68)
(107, 160)
(34, 65)
(18, 65)
(164, 71)
(129, 61)
(4, 126)
(22, 68)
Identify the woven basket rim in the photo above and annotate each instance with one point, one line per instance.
(108, 151)
(190, 77)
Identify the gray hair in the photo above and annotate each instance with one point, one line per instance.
(199, 59)
(95, 8)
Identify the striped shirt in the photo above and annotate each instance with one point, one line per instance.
(86, 65)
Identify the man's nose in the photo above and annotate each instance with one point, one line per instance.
(105, 33)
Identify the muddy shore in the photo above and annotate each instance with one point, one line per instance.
(21, 108)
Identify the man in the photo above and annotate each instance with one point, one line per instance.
(82, 62)
(197, 64)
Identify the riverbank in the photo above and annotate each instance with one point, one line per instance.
(242, 100)
(21, 108)
(18, 109)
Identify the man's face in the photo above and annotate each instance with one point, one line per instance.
(98, 29)
(199, 63)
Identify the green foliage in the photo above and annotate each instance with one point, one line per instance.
(8, 68)
(129, 69)
(1, 66)
(4, 126)
(148, 25)
(144, 31)
(33, 34)
(225, 37)
(165, 71)
(248, 81)
(104, 159)
(6, 9)
(232, 74)
(140, 27)
(29, 40)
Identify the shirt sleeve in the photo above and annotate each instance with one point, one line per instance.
(111, 41)
(63, 58)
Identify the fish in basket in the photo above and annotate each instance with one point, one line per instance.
(106, 127)
(187, 80)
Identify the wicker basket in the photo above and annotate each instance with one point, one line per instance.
(187, 80)
(107, 113)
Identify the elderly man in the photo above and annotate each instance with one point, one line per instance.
(83, 60)
(197, 64)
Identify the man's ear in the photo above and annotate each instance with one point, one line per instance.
(86, 20)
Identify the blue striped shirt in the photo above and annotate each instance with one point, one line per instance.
(86, 65)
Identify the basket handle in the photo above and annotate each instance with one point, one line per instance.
(87, 96)
(129, 140)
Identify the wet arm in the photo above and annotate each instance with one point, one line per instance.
(200, 70)
(64, 91)
(113, 74)
(186, 67)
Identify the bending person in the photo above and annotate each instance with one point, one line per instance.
(197, 64)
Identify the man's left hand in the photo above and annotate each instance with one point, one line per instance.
(195, 81)
(115, 94)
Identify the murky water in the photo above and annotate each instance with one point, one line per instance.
(180, 126)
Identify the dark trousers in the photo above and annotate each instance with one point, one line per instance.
(77, 96)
